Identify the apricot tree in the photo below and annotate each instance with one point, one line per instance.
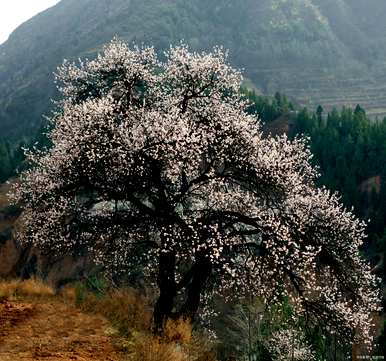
(157, 164)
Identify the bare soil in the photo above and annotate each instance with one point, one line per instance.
(53, 331)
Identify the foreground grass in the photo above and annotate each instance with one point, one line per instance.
(130, 314)
(127, 324)
(16, 289)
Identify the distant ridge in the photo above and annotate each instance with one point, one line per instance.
(318, 51)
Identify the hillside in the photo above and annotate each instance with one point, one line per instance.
(318, 51)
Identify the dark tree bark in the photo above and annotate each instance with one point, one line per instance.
(193, 283)
(166, 282)
(195, 288)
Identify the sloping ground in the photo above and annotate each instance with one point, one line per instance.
(52, 331)
(315, 87)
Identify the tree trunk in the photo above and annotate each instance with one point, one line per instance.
(167, 286)
(196, 288)
(195, 285)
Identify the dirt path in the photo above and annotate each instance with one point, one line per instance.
(51, 332)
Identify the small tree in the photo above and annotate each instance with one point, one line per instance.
(157, 164)
(291, 345)
(319, 114)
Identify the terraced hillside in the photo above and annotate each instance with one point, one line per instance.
(336, 91)
(318, 51)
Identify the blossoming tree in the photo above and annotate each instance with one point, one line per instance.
(157, 164)
(290, 345)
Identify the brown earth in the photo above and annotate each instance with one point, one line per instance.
(52, 331)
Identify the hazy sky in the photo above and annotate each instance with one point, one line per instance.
(15, 12)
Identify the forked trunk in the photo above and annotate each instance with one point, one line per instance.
(194, 286)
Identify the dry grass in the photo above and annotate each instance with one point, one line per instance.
(178, 331)
(149, 348)
(68, 293)
(126, 309)
(131, 317)
(32, 288)
(177, 343)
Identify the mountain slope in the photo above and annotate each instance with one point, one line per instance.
(327, 51)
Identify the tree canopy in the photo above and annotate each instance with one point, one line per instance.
(158, 166)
